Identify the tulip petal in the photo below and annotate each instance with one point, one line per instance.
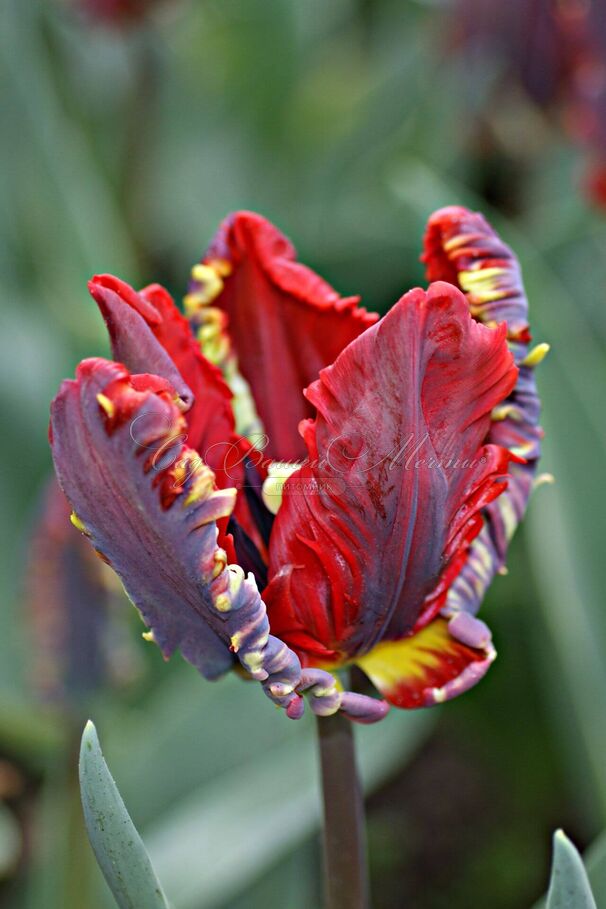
(149, 505)
(460, 246)
(373, 529)
(436, 664)
(285, 323)
(149, 335)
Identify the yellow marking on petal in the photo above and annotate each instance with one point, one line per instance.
(213, 342)
(490, 296)
(253, 661)
(201, 488)
(391, 662)
(222, 603)
(236, 641)
(508, 514)
(179, 475)
(480, 275)
(523, 450)
(248, 422)
(212, 285)
(78, 524)
(149, 636)
(220, 559)
(106, 404)
(324, 692)
(273, 487)
(456, 241)
(483, 285)
(503, 411)
(236, 576)
(536, 355)
(223, 267)
(192, 303)
(281, 689)
(503, 571)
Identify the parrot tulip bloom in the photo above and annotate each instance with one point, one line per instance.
(410, 445)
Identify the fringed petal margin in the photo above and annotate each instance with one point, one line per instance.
(435, 664)
(149, 506)
(149, 335)
(461, 247)
(285, 322)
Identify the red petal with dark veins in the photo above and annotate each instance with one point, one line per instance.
(285, 322)
(397, 474)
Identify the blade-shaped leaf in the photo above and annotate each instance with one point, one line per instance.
(595, 862)
(117, 845)
(569, 886)
(280, 787)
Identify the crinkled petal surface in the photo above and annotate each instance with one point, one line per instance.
(285, 323)
(371, 531)
(149, 335)
(149, 505)
(460, 246)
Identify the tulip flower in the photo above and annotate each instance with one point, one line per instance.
(285, 460)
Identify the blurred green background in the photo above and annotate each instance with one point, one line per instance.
(346, 122)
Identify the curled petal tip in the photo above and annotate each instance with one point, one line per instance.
(296, 708)
(471, 631)
(363, 709)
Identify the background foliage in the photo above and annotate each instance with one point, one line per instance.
(346, 122)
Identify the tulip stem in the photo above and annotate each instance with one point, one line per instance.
(345, 861)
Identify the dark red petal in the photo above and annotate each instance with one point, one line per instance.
(149, 334)
(150, 506)
(285, 322)
(109, 452)
(462, 247)
(397, 474)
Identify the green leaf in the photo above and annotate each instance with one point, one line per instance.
(117, 845)
(595, 862)
(569, 887)
(250, 817)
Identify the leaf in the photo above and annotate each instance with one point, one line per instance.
(569, 887)
(117, 845)
(249, 818)
(595, 862)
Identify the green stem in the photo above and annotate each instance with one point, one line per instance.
(345, 863)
